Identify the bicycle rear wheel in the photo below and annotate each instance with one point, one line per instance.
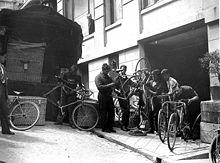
(171, 131)
(24, 115)
(85, 117)
(162, 125)
(214, 151)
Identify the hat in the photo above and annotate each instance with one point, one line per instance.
(105, 66)
(123, 66)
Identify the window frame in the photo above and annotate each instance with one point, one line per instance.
(112, 13)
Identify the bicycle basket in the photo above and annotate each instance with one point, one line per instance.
(84, 93)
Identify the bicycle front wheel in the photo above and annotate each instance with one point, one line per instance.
(214, 151)
(171, 131)
(85, 117)
(24, 115)
(162, 125)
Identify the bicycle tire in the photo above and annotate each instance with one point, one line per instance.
(143, 63)
(125, 84)
(214, 150)
(162, 125)
(85, 116)
(24, 115)
(195, 131)
(171, 131)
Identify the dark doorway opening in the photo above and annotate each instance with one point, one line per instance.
(180, 54)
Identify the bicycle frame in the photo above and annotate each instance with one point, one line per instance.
(59, 104)
(139, 82)
(163, 99)
(16, 100)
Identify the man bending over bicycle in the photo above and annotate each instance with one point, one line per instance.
(72, 80)
(190, 97)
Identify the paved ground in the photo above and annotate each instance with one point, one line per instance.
(151, 147)
(62, 144)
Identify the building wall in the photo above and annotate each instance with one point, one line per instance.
(10, 4)
(123, 37)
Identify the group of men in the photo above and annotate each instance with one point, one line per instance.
(156, 83)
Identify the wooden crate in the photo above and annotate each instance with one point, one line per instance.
(40, 101)
(210, 119)
(207, 131)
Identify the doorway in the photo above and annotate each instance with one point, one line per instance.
(180, 54)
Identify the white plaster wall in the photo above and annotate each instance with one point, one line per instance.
(171, 15)
(125, 33)
(88, 48)
(129, 58)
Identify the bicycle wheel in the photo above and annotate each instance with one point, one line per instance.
(24, 115)
(214, 151)
(171, 131)
(162, 125)
(143, 63)
(195, 131)
(85, 117)
(127, 83)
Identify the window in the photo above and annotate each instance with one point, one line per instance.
(113, 11)
(83, 9)
(146, 3)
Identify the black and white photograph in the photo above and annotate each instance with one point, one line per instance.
(109, 81)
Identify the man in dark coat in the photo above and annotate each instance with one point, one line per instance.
(105, 86)
(3, 98)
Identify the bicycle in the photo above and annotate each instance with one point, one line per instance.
(177, 124)
(163, 116)
(214, 150)
(85, 116)
(137, 78)
(24, 114)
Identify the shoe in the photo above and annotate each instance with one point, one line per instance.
(8, 133)
(123, 128)
(112, 130)
(106, 130)
(58, 123)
